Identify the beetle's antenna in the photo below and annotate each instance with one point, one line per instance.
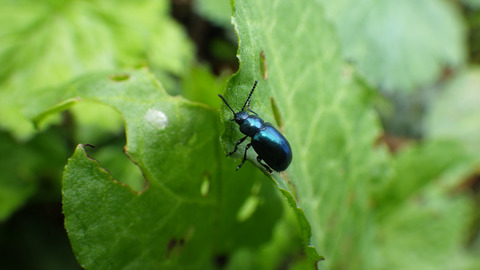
(247, 102)
(226, 103)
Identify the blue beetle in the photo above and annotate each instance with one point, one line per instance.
(270, 145)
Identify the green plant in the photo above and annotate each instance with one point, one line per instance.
(175, 201)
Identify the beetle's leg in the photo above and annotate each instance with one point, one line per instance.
(252, 111)
(236, 146)
(244, 156)
(259, 159)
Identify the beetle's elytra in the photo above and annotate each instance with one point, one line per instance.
(269, 144)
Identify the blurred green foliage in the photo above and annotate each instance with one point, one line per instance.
(399, 45)
(347, 78)
(47, 43)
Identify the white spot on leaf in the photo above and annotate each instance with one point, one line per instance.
(156, 118)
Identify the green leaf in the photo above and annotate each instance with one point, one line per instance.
(420, 221)
(120, 166)
(325, 117)
(201, 85)
(47, 43)
(454, 112)
(284, 250)
(218, 11)
(95, 122)
(427, 231)
(185, 216)
(414, 169)
(399, 45)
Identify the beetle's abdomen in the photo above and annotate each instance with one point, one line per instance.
(272, 147)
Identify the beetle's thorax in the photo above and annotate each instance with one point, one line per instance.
(249, 124)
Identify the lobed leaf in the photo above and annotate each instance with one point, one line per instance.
(185, 216)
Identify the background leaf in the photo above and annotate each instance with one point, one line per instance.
(218, 11)
(455, 111)
(399, 45)
(54, 41)
(175, 218)
(420, 217)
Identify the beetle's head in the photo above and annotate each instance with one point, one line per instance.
(240, 117)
